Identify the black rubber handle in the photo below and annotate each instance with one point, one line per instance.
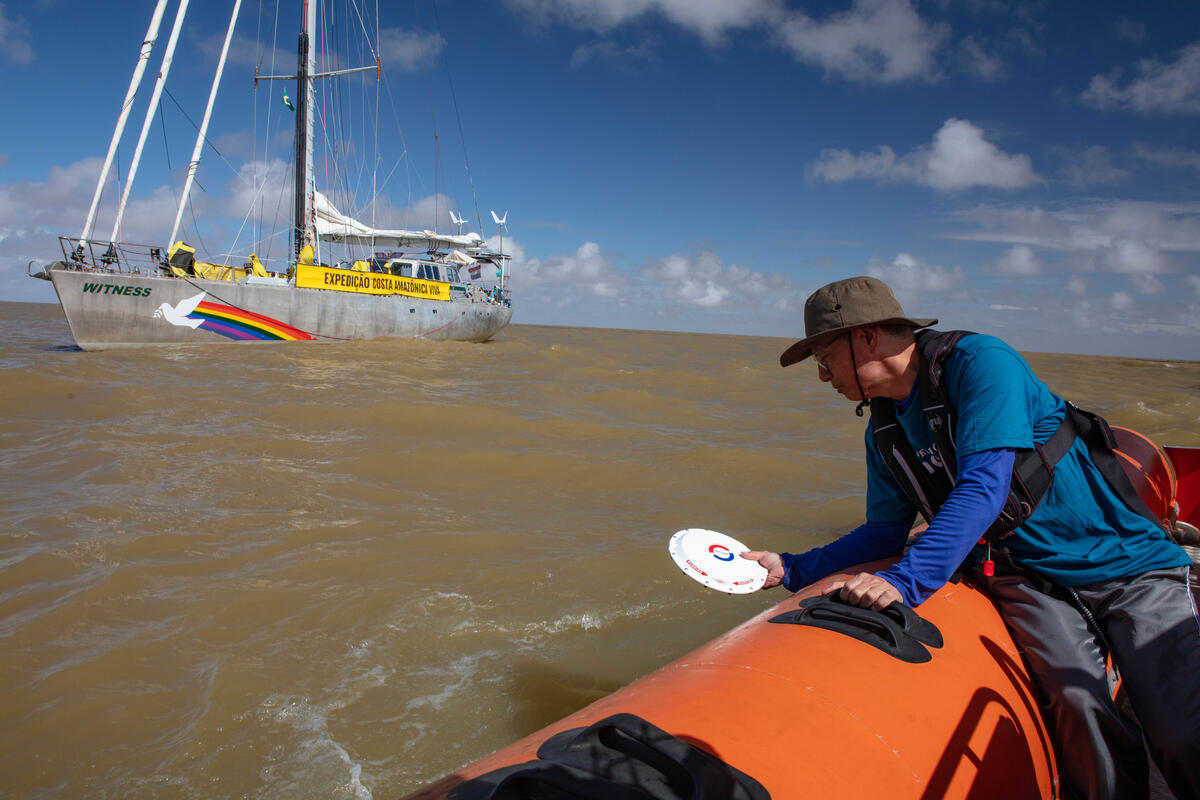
(897, 630)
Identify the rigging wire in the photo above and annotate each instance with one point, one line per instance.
(437, 148)
(117, 181)
(403, 157)
(375, 153)
(196, 236)
(191, 207)
(342, 124)
(266, 151)
(196, 127)
(162, 121)
(367, 36)
(254, 231)
(196, 227)
(257, 242)
(462, 138)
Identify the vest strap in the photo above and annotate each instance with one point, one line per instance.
(1033, 468)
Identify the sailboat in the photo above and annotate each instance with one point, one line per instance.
(394, 283)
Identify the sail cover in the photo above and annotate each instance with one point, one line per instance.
(333, 226)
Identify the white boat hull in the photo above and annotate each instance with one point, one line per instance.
(116, 310)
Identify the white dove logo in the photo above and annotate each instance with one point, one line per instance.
(178, 314)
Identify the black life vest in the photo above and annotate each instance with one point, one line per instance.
(1033, 469)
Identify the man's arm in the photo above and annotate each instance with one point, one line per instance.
(867, 542)
(973, 505)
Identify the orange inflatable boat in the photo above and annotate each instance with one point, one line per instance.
(814, 698)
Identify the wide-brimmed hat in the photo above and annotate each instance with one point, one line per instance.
(844, 305)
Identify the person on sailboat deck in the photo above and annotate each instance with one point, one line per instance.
(961, 431)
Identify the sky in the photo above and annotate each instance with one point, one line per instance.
(1030, 170)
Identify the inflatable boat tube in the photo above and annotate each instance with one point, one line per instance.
(812, 698)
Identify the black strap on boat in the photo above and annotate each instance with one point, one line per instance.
(622, 757)
(896, 630)
(1101, 442)
(544, 780)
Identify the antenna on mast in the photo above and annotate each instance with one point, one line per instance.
(500, 221)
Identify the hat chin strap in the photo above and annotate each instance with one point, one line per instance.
(858, 410)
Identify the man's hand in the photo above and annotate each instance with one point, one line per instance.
(866, 590)
(769, 561)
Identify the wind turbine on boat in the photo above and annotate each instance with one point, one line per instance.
(500, 221)
(459, 221)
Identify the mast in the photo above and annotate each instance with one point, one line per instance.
(163, 71)
(305, 182)
(126, 107)
(304, 230)
(194, 164)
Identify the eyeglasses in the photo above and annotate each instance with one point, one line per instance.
(822, 359)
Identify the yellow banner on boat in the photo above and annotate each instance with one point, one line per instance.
(312, 276)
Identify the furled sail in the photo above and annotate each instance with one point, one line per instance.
(333, 226)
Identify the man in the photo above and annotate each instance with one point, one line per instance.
(1064, 550)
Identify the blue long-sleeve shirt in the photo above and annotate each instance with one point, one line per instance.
(973, 504)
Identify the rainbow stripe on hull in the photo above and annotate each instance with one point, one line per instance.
(236, 323)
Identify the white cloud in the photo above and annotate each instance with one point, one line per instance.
(509, 246)
(958, 158)
(148, 218)
(399, 49)
(910, 275)
(1131, 29)
(1123, 234)
(835, 166)
(59, 205)
(1194, 282)
(1089, 167)
(703, 280)
(693, 291)
(247, 52)
(33, 214)
(588, 270)
(876, 41)
(1121, 301)
(60, 202)
(409, 50)
(15, 38)
(1076, 285)
(709, 19)
(980, 60)
(1168, 156)
(1160, 88)
(1019, 260)
(698, 281)
(614, 54)
(260, 185)
(961, 158)
(1136, 257)
(1146, 283)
